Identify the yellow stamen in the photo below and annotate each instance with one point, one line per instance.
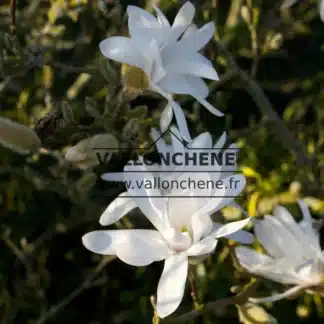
(134, 78)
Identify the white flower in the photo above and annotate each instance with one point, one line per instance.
(183, 229)
(294, 253)
(168, 171)
(172, 65)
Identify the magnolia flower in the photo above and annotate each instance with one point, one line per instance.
(17, 137)
(294, 253)
(170, 172)
(183, 229)
(165, 58)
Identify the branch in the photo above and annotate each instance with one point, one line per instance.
(239, 299)
(75, 293)
(259, 97)
(13, 16)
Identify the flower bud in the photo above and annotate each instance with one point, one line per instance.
(252, 314)
(92, 151)
(17, 137)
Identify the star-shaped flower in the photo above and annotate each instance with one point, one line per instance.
(294, 256)
(168, 57)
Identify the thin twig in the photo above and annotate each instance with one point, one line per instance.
(252, 87)
(13, 16)
(217, 305)
(87, 283)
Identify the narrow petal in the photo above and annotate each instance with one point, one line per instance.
(288, 293)
(230, 228)
(221, 141)
(198, 85)
(231, 187)
(250, 259)
(164, 22)
(240, 236)
(166, 117)
(181, 121)
(172, 283)
(202, 226)
(142, 13)
(177, 142)
(117, 209)
(122, 49)
(101, 242)
(198, 39)
(209, 107)
(205, 246)
(141, 247)
(137, 177)
(189, 65)
(265, 266)
(202, 141)
(182, 20)
(113, 176)
(189, 31)
(321, 9)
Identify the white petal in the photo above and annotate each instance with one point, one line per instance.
(189, 31)
(198, 85)
(209, 107)
(240, 236)
(283, 244)
(189, 65)
(250, 259)
(205, 246)
(202, 226)
(198, 39)
(181, 121)
(288, 293)
(221, 141)
(224, 196)
(182, 20)
(161, 18)
(122, 49)
(177, 142)
(265, 266)
(137, 176)
(204, 140)
(113, 176)
(117, 209)
(141, 247)
(155, 67)
(307, 242)
(321, 9)
(178, 84)
(172, 284)
(142, 13)
(166, 117)
(307, 225)
(230, 228)
(101, 242)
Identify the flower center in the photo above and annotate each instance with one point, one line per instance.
(178, 241)
(134, 78)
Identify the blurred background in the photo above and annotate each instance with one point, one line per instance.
(54, 79)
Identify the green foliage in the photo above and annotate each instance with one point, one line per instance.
(54, 77)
